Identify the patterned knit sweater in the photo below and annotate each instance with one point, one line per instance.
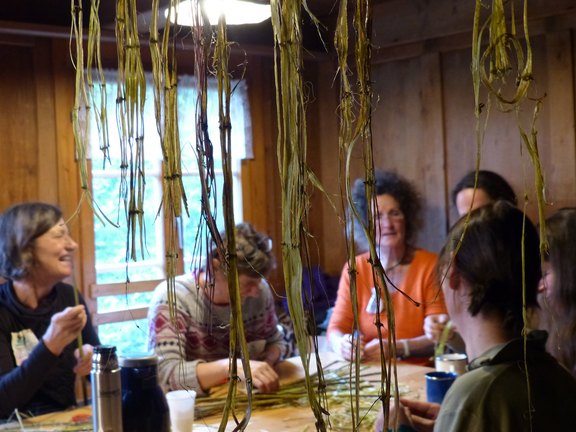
(202, 331)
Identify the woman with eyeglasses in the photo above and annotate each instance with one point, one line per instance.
(194, 346)
(410, 273)
(40, 321)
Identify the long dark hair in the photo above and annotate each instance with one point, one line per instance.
(560, 306)
(490, 260)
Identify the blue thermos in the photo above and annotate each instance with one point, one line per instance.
(144, 407)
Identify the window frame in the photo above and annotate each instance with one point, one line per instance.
(95, 290)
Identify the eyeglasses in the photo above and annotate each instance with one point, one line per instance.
(392, 215)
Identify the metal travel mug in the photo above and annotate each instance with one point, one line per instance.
(106, 390)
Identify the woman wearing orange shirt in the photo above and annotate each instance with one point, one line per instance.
(396, 212)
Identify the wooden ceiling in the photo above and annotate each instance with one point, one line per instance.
(57, 14)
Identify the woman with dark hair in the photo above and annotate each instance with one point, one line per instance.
(558, 287)
(490, 187)
(396, 212)
(193, 347)
(39, 319)
(512, 383)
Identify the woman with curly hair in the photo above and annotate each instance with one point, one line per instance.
(412, 284)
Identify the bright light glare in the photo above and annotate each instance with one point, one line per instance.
(236, 12)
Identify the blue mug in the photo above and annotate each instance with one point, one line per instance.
(437, 384)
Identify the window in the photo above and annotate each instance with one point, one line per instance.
(121, 314)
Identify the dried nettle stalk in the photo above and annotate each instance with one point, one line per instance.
(85, 97)
(130, 100)
(165, 80)
(237, 334)
(203, 41)
(507, 62)
(291, 151)
(355, 129)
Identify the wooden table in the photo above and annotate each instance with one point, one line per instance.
(411, 381)
(283, 419)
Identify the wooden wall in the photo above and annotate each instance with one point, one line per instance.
(423, 120)
(36, 140)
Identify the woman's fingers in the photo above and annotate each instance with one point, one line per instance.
(264, 377)
(64, 327)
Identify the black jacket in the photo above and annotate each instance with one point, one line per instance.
(43, 382)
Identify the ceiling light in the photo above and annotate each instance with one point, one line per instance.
(235, 11)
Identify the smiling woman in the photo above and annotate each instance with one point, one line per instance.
(41, 317)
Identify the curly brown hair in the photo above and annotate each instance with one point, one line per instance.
(388, 183)
(253, 251)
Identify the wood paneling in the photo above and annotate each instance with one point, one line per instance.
(409, 137)
(558, 151)
(19, 144)
(328, 245)
(260, 180)
(398, 22)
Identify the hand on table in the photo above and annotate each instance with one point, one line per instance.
(346, 346)
(371, 350)
(419, 415)
(84, 363)
(64, 328)
(264, 377)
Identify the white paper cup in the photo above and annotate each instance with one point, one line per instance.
(181, 405)
(454, 362)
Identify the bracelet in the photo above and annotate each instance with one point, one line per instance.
(406, 347)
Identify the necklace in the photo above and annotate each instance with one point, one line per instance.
(406, 258)
(393, 266)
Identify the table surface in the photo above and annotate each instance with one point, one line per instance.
(286, 419)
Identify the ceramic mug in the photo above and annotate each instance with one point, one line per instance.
(454, 362)
(437, 384)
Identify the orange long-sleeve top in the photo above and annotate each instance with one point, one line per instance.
(420, 284)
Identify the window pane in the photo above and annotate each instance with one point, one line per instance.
(190, 228)
(123, 301)
(110, 241)
(128, 337)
